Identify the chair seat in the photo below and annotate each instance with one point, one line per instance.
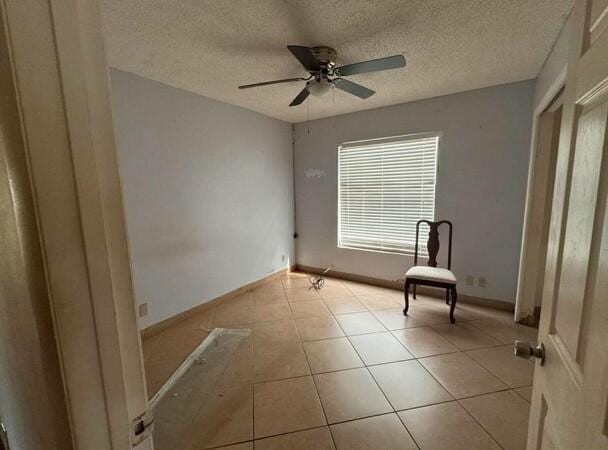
(431, 274)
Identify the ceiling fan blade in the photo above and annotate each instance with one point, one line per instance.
(300, 97)
(305, 56)
(374, 65)
(353, 88)
(266, 83)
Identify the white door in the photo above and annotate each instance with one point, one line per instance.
(57, 60)
(570, 397)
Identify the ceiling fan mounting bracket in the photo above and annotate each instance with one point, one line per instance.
(325, 56)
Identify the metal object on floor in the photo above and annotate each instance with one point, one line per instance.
(179, 406)
(318, 281)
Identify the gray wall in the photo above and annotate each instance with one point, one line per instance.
(481, 183)
(208, 189)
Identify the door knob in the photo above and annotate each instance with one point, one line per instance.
(528, 350)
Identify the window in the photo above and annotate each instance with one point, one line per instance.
(384, 187)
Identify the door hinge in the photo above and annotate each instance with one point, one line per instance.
(142, 428)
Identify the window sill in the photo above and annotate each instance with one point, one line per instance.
(386, 252)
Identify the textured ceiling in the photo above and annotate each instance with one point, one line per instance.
(212, 46)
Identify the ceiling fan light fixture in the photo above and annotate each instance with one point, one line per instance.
(319, 87)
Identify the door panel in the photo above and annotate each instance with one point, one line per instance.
(579, 227)
(570, 394)
(599, 11)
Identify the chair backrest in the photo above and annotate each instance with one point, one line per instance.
(432, 244)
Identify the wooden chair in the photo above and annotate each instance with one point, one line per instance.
(431, 275)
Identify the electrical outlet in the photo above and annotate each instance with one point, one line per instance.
(143, 310)
(481, 282)
(470, 280)
(283, 258)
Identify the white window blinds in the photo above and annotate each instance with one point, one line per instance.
(384, 187)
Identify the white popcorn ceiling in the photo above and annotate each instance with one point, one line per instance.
(212, 46)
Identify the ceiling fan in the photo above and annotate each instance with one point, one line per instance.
(320, 63)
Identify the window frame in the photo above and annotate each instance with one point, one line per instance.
(422, 251)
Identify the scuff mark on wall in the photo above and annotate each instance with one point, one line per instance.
(315, 173)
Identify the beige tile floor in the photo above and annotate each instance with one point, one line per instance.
(342, 368)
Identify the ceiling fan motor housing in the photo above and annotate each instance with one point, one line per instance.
(325, 56)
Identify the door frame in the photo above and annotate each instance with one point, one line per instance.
(32, 401)
(61, 80)
(525, 302)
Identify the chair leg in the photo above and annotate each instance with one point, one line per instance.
(414, 292)
(447, 296)
(406, 294)
(453, 304)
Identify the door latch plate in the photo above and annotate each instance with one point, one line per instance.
(142, 428)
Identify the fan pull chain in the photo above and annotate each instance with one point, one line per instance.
(308, 117)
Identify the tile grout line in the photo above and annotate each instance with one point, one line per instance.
(457, 400)
(453, 397)
(373, 378)
(367, 310)
(521, 395)
(440, 383)
(362, 361)
(490, 370)
(408, 431)
(454, 400)
(479, 423)
(314, 382)
(383, 393)
(416, 359)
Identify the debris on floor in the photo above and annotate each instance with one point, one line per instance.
(318, 281)
(178, 406)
